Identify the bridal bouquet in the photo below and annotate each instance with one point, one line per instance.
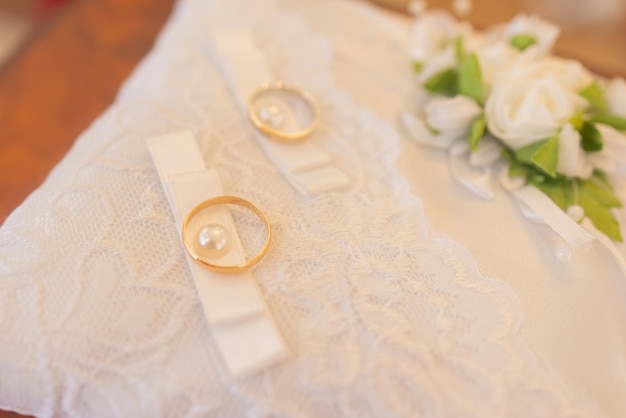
(500, 98)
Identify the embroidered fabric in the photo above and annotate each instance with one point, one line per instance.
(383, 317)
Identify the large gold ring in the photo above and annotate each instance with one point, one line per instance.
(269, 122)
(213, 240)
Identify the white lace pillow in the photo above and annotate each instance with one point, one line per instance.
(99, 317)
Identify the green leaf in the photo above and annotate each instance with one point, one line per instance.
(595, 96)
(600, 215)
(525, 154)
(542, 154)
(535, 178)
(444, 82)
(556, 191)
(615, 121)
(547, 157)
(471, 82)
(599, 177)
(600, 192)
(561, 191)
(418, 66)
(517, 169)
(577, 121)
(476, 133)
(459, 48)
(507, 154)
(569, 192)
(522, 41)
(591, 137)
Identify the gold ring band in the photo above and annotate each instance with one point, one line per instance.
(272, 131)
(224, 200)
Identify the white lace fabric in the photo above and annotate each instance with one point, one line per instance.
(382, 316)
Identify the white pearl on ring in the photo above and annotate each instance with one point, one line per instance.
(213, 240)
(271, 115)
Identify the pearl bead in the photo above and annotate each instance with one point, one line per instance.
(563, 254)
(576, 212)
(271, 115)
(213, 240)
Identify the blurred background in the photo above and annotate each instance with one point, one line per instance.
(20, 20)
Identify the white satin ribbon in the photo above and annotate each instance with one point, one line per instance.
(240, 323)
(608, 244)
(545, 209)
(307, 167)
(475, 178)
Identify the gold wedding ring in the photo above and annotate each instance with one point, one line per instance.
(213, 239)
(269, 118)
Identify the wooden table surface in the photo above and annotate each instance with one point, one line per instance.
(70, 72)
(62, 80)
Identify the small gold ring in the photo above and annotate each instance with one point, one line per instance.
(265, 126)
(211, 238)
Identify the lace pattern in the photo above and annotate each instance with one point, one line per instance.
(383, 317)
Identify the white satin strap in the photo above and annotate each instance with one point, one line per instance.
(241, 325)
(546, 210)
(307, 167)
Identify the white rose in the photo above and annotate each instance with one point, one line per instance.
(526, 109)
(496, 54)
(572, 158)
(615, 94)
(496, 60)
(452, 116)
(612, 158)
(545, 33)
(570, 74)
(430, 34)
(443, 60)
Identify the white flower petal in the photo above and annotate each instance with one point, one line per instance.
(476, 179)
(572, 159)
(419, 132)
(612, 158)
(509, 183)
(430, 33)
(496, 60)
(487, 153)
(452, 115)
(441, 61)
(544, 32)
